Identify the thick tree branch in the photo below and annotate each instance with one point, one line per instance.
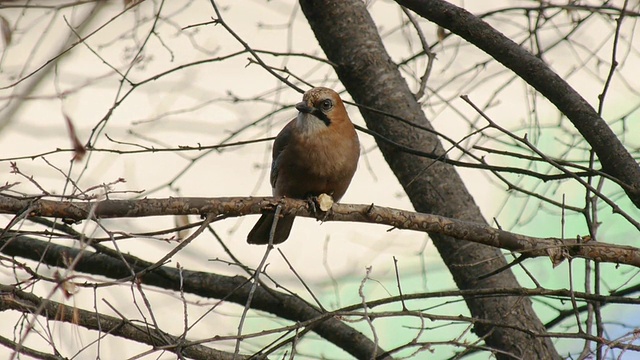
(12, 298)
(555, 248)
(232, 289)
(614, 157)
(235, 289)
(350, 39)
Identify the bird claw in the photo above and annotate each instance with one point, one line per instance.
(326, 215)
(311, 201)
(322, 135)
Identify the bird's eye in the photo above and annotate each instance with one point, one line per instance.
(327, 104)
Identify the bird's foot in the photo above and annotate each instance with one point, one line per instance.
(311, 202)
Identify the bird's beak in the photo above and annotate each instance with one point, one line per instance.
(303, 107)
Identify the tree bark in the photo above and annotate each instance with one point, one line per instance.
(235, 289)
(613, 156)
(556, 249)
(350, 39)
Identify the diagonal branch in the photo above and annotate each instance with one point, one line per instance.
(350, 39)
(12, 298)
(614, 157)
(235, 289)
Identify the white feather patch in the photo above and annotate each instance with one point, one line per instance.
(309, 124)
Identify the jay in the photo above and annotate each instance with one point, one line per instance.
(315, 153)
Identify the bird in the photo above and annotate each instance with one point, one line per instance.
(315, 153)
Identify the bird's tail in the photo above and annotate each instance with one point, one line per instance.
(259, 235)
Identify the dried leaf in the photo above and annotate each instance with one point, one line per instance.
(69, 288)
(557, 254)
(585, 238)
(5, 30)
(441, 33)
(78, 149)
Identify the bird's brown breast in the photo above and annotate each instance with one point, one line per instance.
(320, 163)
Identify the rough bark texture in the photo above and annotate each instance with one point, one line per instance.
(613, 156)
(350, 39)
(13, 299)
(236, 289)
(556, 249)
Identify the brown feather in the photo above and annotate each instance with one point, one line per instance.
(315, 153)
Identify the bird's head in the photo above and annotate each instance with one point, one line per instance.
(320, 108)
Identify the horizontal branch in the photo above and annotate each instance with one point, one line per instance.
(12, 298)
(555, 248)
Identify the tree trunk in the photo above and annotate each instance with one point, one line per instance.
(349, 38)
(613, 156)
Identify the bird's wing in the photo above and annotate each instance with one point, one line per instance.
(279, 144)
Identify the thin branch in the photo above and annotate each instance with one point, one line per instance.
(12, 298)
(257, 58)
(233, 289)
(615, 158)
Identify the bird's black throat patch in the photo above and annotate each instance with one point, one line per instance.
(322, 116)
